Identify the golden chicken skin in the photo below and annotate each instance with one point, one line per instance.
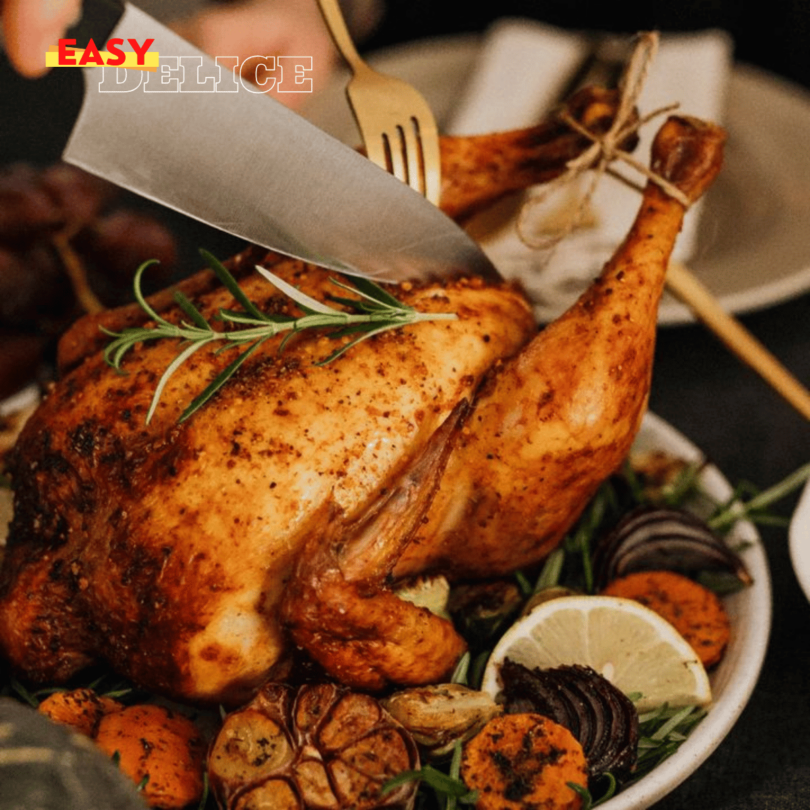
(194, 556)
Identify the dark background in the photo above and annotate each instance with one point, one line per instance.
(775, 35)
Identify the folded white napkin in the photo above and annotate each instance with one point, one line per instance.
(522, 69)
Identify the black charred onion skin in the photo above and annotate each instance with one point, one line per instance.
(603, 719)
(663, 538)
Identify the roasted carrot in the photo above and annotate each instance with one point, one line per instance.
(161, 751)
(693, 610)
(81, 709)
(524, 760)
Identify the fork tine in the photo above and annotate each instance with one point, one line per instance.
(397, 126)
(397, 153)
(377, 148)
(431, 159)
(413, 152)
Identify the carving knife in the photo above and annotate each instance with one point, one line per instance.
(246, 164)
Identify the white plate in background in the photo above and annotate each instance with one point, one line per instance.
(753, 246)
(733, 680)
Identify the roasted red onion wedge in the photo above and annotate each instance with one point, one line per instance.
(602, 718)
(664, 538)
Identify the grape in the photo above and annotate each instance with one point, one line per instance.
(40, 208)
(21, 355)
(117, 244)
(80, 194)
(33, 289)
(27, 210)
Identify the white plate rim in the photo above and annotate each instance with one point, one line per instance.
(760, 156)
(734, 680)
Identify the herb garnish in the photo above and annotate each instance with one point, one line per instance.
(448, 787)
(375, 311)
(661, 730)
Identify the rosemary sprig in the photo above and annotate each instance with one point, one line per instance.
(756, 508)
(661, 732)
(448, 786)
(375, 311)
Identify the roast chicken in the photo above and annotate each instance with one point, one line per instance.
(197, 557)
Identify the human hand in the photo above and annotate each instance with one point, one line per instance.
(30, 27)
(261, 28)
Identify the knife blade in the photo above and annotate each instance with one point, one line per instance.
(247, 165)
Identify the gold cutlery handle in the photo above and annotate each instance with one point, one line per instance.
(683, 284)
(336, 23)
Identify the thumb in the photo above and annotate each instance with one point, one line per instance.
(30, 27)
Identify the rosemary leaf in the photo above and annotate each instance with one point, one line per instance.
(448, 785)
(230, 282)
(341, 350)
(218, 381)
(172, 367)
(461, 671)
(306, 302)
(139, 296)
(372, 292)
(551, 572)
(372, 312)
(190, 310)
(754, 508)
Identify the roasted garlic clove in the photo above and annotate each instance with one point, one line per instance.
(439, 716)
(664, 538)
(319, 746)
(544, 595)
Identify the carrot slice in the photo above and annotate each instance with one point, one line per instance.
(81, 709)
(158, 749)
(524, 760)
(693, 610)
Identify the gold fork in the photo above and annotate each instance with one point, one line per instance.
(398, 128)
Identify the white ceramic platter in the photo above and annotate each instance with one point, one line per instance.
(734, 679)
(753, 244)
(750, 612)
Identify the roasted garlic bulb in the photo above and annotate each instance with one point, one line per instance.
(319, 746)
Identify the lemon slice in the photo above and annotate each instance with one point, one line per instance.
(627, 643)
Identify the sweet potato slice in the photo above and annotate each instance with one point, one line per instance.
(81, 709)
(693, 610)
(158, 749)
(524, 760)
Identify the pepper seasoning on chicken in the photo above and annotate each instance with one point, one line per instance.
(186, 555)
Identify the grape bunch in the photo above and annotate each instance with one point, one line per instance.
(69, 243)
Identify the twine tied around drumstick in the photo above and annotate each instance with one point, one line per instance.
(604, 150)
